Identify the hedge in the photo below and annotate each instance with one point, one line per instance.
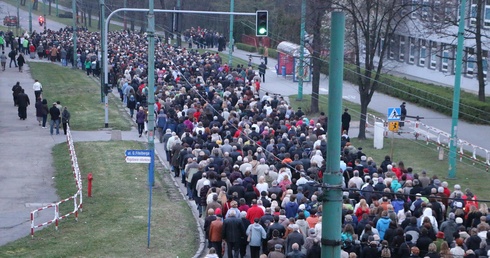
(272, 52)
(245, 47)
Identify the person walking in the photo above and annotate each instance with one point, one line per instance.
(65, 119)
(233, 230)
(45, 112)
(3, 60)
(39, 110)
(16, 91)
(54, 112)
(346, 120)
(38, 88)
(12, 55)
(256, 234)
(21, 61)
(140, 120)
(22, 103)
(403, 114)
(262, 69)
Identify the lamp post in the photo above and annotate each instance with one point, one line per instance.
(74, 10)
(230, 40)
(453, 143)
(30, 18)
(301, 51)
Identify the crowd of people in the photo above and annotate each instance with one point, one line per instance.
(253, 164)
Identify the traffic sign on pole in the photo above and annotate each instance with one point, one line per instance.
(394, 114)
(393, 126)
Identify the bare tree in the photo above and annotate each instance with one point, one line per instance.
(445, 23)
(317, 12)
(372, 22)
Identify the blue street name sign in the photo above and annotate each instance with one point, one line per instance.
(133, 153)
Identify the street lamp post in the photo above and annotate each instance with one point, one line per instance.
(230, 40)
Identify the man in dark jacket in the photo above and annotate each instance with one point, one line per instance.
(54, 112)
(16, 91)
(233, 231)
(22, 103)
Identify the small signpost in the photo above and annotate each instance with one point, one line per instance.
(138, 156)
(393, 118)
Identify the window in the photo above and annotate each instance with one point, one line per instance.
(445, 60)
(449, 11)
(436, 10)
(425, 10)
(433, 55)
(401, 55)
(411, 56)
(413, 11)
(470, 65)
(473, 12)
(485, 68)
(392, 46)
(486, 16)
(423, 52)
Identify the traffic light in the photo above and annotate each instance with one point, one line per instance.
(261, 24)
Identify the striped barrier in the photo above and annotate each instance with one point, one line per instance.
(77, 198)
(440, 138)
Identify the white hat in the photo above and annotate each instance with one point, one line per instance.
(459, 220)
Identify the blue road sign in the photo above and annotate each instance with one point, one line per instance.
(133, 153)
(394, 114)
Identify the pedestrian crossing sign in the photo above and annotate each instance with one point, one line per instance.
(394, 114)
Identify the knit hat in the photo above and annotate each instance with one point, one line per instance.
(459, 220)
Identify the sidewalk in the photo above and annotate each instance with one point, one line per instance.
(380, 102)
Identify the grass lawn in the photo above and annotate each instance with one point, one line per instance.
(114, 221)
(354, 109)
(80, 93)
(419, 156)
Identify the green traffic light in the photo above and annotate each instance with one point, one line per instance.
(262, 31)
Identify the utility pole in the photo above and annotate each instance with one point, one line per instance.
(74, 10)
(230, 39)
(124, 15)
(44, 14)
(332, 178)
(30, 17)
(453, 143)
(151, 105)
(178, 25)
(18, 18)
(104, 84)
(301, 51)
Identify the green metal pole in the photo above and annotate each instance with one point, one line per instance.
(30, 17)
(102, 22)
(332, 179)
(18, 18)
(57, 9)
(178, 25)
(230, 39)
(44, 14)
(151, 82)
(151, 105)
(124, 15)
(453, 143)
(301, 51)
(74, 11)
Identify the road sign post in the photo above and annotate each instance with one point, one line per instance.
(393, 126)
(394, 114)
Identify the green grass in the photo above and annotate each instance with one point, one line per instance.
(114, 221)
(81, 94)
(53, 17)
(419, 156)
(305, 104)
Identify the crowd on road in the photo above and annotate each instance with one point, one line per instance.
(253, 165)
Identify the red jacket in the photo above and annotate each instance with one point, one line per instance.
(254, 212)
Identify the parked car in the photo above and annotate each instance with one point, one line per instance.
(10, 21)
